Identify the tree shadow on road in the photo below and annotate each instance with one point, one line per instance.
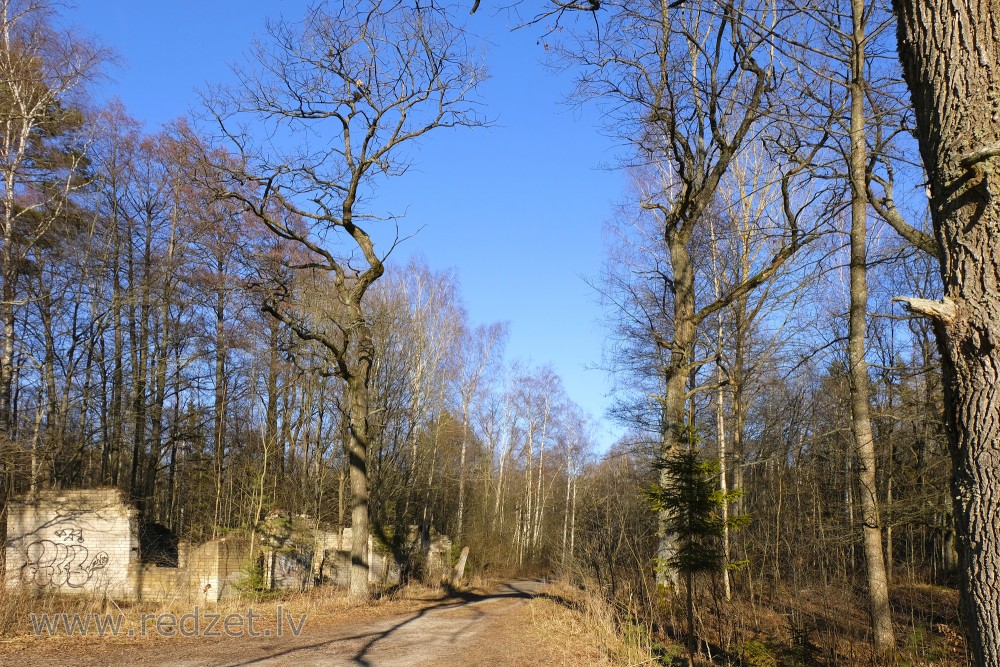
(384, 632)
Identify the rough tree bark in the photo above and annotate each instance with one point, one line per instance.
(950, 52)
(357, 455)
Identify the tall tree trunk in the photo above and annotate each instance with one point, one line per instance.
(358, 447)
(139, 331)
(219, 425)
(52, 419)
(175, 436)
(572, 519)
(524, 524)
(271, 432)
(566, 511)
(680, 353)
(720, 427)
(468, 392)
(167, 341)
(159, 397)
(949, 52)
(720, 418)
(540, 492)
(8, 274)
(864, 439)
(111, 452)
(461, 475)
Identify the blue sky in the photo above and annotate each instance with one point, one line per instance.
(516, 209)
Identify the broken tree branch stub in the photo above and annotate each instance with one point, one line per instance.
(944, 310)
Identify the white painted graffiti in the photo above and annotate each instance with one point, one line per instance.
(54, 564)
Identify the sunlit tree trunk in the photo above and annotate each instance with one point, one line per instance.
(949, 52)
(864, 439)
(358, 448)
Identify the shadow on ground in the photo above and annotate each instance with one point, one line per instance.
(385, 634)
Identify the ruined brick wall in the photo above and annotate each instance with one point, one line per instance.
(206, 573)
(78, 542)
(88, 542)
(216, 568)
(332, 563)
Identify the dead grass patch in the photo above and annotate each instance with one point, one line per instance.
(322, 607)
(828, 625)
(585, 620)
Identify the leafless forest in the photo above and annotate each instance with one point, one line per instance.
(801, 298)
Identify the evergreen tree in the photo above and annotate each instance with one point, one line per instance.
(691, 500)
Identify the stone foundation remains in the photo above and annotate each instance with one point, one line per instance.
(90, 542)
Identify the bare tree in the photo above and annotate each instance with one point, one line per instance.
(477, 347)
(690, 86)
(41, 147)
(864, 438)
(326, 107)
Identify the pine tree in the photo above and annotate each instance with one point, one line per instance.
(691, 500)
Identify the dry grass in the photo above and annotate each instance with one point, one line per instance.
(322, 607)
(570, 625)
(829, 626)
(584, 622)
(566, 626)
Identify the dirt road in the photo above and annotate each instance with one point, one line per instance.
(469, 630)
(452, 633)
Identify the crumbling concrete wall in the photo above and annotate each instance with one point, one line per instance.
(206, 573)
(79, 542)
(292, 570)
(289, 545)
(333, 558)
(89, 542)
(438, 558)
(217, 567)
(326, 559)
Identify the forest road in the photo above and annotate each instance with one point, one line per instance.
(466, 629)
(455, 632)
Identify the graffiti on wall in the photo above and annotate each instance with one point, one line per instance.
(66, 562)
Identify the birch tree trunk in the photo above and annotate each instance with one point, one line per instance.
(484, 340)
(720, 425)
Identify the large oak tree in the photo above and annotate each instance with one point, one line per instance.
(326, 107)
(951, 60)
